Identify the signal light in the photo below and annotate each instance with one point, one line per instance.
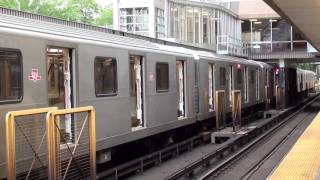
(238, 66)
(277, 71)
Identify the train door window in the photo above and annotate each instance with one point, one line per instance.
(230, 83)
(239, 76)
(136, 91)
(222, 76)
(59, 85)
(162, 77)
(180, 80)
(211, 86)
(105, 70)
(10, 76)
(246, 85)
(257, 84)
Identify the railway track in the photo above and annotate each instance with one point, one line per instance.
(217, 163)
(240, 165)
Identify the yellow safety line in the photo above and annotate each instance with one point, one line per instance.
(303, 160)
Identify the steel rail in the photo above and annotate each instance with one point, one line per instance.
(256, 142)
(238, 142)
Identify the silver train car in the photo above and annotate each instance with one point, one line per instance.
(305, 80)
(138, 88)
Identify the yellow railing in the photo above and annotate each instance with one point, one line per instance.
(236, 109)
(64, 155)
(28, 133)
(220, 107)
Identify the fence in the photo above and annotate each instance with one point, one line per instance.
(50, 143)
(26, 144)
(236, 109)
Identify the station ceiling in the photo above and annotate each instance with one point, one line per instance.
(303, 14)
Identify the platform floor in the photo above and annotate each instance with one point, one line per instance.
(303, 160)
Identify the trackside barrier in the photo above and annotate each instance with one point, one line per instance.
(26, 147)
(220, 107)
(71, 155)
(278, 97)
(236, 110)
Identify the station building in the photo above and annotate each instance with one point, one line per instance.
(249, 29)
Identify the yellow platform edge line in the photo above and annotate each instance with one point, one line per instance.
(303, 160)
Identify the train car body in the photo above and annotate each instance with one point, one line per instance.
(138, 88)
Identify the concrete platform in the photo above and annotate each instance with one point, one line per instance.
(303, 160)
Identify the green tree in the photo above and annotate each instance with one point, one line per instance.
(105, 17)
(84, 11)
(306, 66)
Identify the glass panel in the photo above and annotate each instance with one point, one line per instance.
(205, 25)
(246, 30)
(105, 76)
(239, 78)
(222, 76)
(296, 35)
(281, 30)
(10, 75)
(189, 12)
(261, 30)
(162, 76)
(196, 15)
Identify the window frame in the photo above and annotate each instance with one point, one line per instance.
(162, 90)
(20, 59)
(115, 93)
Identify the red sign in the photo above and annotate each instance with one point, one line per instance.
(34, 75)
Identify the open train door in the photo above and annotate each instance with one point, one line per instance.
(60, 90)
(136, 91)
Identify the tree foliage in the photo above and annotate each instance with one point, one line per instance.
(84, 11)
(306, 66)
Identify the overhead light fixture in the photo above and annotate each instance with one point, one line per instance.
(253, 20)
(257, 22)
(274, 20)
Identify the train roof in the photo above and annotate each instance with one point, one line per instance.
(21, 23)
(306, 71)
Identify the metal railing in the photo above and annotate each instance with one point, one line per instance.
(26, 149)
(220, 108)
(278, 46)
(231, 46)
(236, 110)
(72, 157)
(37, 146)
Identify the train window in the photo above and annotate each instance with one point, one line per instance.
(246, 85)
(105, 70)
(257, 84)
(252, 75)
(10, 76)
(239, 76)
(211, 78)
(162, 77)
(222, 76)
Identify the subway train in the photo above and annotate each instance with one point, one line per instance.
(138, 88)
